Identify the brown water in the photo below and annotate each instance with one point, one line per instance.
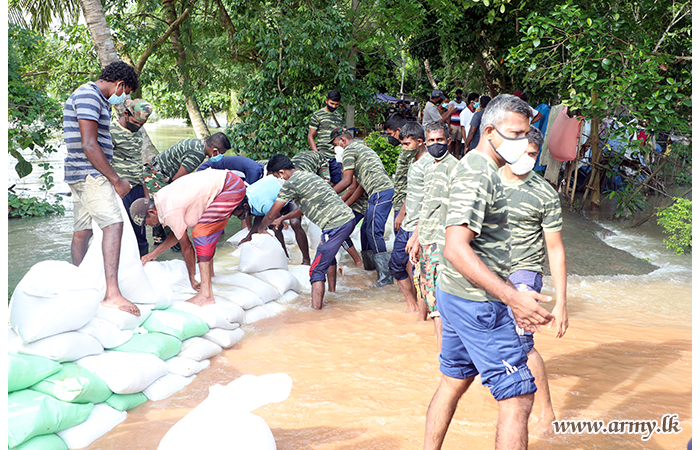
(364, 371)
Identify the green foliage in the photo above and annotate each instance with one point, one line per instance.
(32, 206)
(33, 115)
(628, 201)
(388, 153)
(677, 221)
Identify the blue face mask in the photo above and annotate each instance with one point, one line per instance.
(117, 99)
(216, 158)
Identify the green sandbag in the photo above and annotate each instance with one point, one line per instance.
(162, 345)
(45, 442)
(74, 384)
(176, 323)
(31, 413)
(26, 370)
(125, 402)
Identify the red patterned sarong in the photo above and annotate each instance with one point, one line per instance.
(212, 223)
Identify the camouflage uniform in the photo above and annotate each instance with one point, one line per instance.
(188, 153)
(314, 162)
(401, 177)
(323, 122)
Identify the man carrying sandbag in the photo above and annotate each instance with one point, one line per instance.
(203, 201)
(317, 199)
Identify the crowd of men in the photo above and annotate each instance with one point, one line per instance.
(472, 223)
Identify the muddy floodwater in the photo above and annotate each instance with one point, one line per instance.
(364, 371)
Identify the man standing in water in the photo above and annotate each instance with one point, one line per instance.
(317, 200)
(473, 295)
(91, 177)
(203, 201)
(535, 220)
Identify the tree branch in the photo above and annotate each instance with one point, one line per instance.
(149, 51)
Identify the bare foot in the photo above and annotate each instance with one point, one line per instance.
(121, 304)
(411, 308)
(542, 429)
(341, 271)
(201, 300)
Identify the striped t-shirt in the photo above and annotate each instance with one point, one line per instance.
(87, 102)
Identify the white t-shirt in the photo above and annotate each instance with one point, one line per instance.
(465, 120)
(460, 106)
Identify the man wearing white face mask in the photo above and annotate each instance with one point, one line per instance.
(473, 295)
(90, 175)
(535, 220)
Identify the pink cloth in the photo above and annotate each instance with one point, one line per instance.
(563, 136)
(181, 204)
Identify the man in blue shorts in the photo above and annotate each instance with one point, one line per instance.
(473, 296)
(317, 199)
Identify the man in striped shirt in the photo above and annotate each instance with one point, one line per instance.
(90, 175)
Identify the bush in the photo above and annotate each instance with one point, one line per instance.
(388, 153)
(32, 206)
(677, 221)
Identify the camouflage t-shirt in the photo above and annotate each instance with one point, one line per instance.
(314, 162)
(401, 176)
(316, 199)
(369, 169)
(414, 194)
(477, 200)
(188, 154)
(533, 209)
(360, 205)
(126, 159)
(323, 122)
(432, 218)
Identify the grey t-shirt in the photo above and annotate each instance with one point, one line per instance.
(475, 122)
(430, 114)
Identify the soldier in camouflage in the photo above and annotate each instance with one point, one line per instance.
(127, 139)
(535, 220)
(321, 123)
(473, 295)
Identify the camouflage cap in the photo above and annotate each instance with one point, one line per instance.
(337, 132)
(139, 108)
(139, 211)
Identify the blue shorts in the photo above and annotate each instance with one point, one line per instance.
(331, 241)
(478, 338)
(379, 207)
(399, 257)
(525, 280)
(348, 243)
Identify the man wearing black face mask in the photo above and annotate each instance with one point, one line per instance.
(321, 123)
(127, 139)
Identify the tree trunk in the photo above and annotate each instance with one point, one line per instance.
(350, 108)
(487, 75)
(426, 63)
(99, 31)
(200, 127)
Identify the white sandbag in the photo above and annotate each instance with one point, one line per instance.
(224, 421)
(101, 420)
(288, 297)
(389, 234)
(133, 282)
(276, 307)
(107, 334)
(52, 298)
(244, 298)
(209, 316)
(166, 386)
(224, 338)
(262, 252)
(198, 349)
(238, 237)
(281, 280)
(122, 319)
(301, 273)
(289, 236)
(314, 236)
(64, 347)
(125, 373)
(158, 277)
(177, 276)
(259, 313)
(233, 313)
(185, 367)
(246, 281)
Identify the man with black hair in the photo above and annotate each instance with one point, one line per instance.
(127, 139)
(431, 114)
(317, 200)
(313, 162)
(465, 117)
(363, 164)
(393, 126)
(474, 134)
(90, 175)
(321, 123)
(455, 128)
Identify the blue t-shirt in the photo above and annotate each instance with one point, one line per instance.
(87, 102)
(262, 194)
(249, 170)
